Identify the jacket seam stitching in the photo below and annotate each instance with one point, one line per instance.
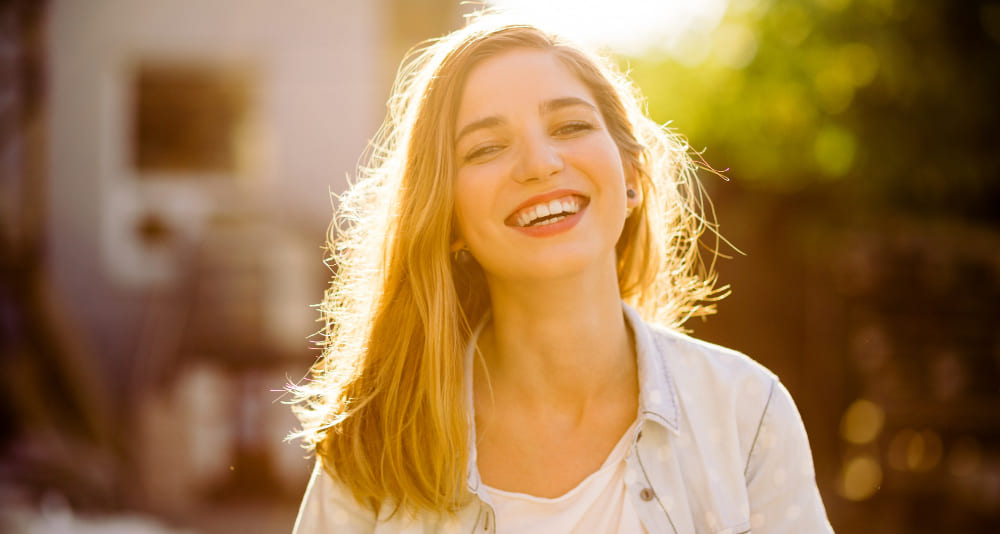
(760, 425)
(658, 342)
(475, 526)
(638, 458)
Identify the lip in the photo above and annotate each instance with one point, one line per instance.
(545, 197)
(553, 228)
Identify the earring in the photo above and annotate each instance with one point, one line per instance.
(631, 194)
(462, 257)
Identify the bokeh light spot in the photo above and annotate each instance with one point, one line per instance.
(692, 49)
(924, 451)
(860, 478)
(861, 62)
(792, 23)
(862, 422)
(735, 45)
(834, 150)
(790, 108)
(910, 450)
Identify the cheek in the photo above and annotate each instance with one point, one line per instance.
(600, 151)
(464, 196)
(470, 198)
(604, 163)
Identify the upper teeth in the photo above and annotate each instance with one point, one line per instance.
(555, 209)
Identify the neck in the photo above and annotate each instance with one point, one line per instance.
(560, 344)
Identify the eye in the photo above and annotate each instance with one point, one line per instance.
(572, 127)
(482, 152)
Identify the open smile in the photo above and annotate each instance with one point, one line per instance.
(545, 211)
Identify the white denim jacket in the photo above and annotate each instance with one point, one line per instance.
(721, 449)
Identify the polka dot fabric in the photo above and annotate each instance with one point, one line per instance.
(719, 449)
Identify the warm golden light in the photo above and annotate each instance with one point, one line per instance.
(915, 451)
(735, 45)
(860, 478)
(862, 422)
(630, 26)
(924, 451)
(834, 150)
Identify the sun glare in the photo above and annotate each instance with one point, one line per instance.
(625, 26)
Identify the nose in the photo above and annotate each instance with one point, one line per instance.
(539, 159)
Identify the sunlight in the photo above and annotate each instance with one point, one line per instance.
(625, 26)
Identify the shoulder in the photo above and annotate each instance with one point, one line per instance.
(724, 394)
(746, 428)
(329, 504)
(696, 363)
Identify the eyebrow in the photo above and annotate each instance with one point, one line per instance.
(567, 101)
(488, 122)
(545, 107)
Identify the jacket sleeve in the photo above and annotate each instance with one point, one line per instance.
(329, 507)
(780, 478)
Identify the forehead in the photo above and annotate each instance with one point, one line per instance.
(517, 80)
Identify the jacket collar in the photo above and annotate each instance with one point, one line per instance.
(657, 394)
(474, 482)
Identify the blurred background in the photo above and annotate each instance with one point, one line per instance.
(165, 179)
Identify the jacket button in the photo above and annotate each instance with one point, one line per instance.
(646, 494)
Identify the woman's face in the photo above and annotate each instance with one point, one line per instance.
(540, 189)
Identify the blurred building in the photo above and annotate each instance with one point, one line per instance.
(164, 215)
(165, 170)
(192, 146)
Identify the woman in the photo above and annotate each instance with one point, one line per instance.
(482, 370)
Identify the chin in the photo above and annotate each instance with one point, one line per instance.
(555, 265)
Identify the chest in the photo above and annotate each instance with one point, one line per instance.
(542, 457)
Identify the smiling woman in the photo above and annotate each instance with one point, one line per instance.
(531, 138)
(488, 361)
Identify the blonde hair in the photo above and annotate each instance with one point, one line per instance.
(385, 408)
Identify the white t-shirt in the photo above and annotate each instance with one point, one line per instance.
(598, 504)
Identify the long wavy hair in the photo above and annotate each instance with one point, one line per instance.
(385, 406)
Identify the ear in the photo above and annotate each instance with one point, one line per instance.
(632, 184)
(457, 244)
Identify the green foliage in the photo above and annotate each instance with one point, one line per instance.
(891, 99)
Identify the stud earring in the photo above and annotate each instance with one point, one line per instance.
(630, 193)
(462, 257)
